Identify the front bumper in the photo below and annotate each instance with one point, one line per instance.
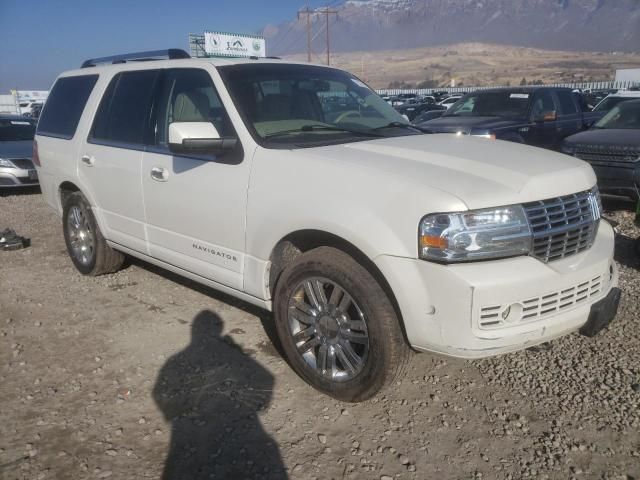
(618, 179)
(481, 309)
(17, 177)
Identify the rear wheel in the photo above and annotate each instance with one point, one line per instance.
(337, 326)
(86, 246)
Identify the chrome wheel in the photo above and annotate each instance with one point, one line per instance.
(80, 235)
(329, 329)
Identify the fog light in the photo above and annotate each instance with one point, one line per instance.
(513, 313)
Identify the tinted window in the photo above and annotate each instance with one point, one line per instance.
(16, 129)
(123, 115)
(188, 95)
(64, 106)
(567, 105)
(543, 103)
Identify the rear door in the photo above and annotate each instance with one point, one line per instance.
(195, 205)
(111, 159)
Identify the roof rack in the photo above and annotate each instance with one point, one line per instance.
(171, 54)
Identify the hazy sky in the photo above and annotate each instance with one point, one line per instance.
(41, 38)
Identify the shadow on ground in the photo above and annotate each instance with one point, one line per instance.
(211, 393)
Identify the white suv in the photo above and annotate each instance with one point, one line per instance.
(363, 235)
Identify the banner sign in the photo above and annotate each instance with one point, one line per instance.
(218, 44)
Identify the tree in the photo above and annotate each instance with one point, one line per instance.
(523, 81)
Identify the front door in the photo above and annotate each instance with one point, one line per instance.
(195, 205)
(111, 160)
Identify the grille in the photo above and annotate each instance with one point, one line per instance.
(23, 163)
(496, 316)
(607, 154)
(563, 226)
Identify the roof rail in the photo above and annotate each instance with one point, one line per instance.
(171, 54)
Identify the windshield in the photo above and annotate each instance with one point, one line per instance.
(304, 105)
(626, 116)
(609, 102)
(491, 104)
(14, 130)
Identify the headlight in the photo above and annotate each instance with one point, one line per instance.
(474, 235)
(488, 136)
(4, 163)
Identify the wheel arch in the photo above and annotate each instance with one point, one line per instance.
(298, 242)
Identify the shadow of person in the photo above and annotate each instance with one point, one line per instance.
(211, 393)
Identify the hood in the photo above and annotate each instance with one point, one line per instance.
(605, 138)
(467, 124)
(16, 149)
(479, 172)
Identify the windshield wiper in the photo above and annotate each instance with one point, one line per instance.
(311, 128)
(396, 125)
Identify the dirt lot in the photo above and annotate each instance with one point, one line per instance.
(140, 372)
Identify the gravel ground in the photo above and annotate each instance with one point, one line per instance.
(140, 372)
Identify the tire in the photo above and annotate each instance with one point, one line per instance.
(355, 312)
(86, 246)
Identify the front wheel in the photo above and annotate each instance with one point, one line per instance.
(337, 326)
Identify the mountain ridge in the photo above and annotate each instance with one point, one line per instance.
(371, 25)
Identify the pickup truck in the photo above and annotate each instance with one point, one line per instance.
(362, 235)
(538, 116)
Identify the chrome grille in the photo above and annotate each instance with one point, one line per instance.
(607, 154)
(563, 226)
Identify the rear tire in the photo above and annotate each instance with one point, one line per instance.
(86, 246)
(337, 326)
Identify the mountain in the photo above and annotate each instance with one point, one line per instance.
(370, 25)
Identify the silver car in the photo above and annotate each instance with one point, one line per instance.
(16, 148)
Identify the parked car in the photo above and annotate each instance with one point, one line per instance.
(449, 101)
(360, 233)
(403, 98)
(614, 99)
(16, 147)
(612, 147)
(412, 110)
(539, 116)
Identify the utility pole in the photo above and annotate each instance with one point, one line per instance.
(307, 11)
(328, 12)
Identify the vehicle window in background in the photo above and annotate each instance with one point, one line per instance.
(609, 102)
(567, 105)
(302, 103)
(491, 104)
(16, 130)
(542, 103)
(65, 105)
(124, 111)
(188, 95)
(624, 116)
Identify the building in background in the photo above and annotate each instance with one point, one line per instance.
(628, 75)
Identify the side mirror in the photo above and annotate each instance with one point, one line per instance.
(198, 137)
(551, 116)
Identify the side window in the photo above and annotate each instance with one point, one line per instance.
(64, 107)
(188, 95)
(567, 105)
(542, 103)
(123, 115)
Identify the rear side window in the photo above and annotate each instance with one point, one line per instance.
(65, 105)
(567, 105)
(125, 109)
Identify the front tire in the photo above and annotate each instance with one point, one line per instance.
(86, 246)
(337, 326)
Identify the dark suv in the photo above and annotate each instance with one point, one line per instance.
(540, 116)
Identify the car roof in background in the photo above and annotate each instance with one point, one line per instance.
(8, 116)
(521, 89)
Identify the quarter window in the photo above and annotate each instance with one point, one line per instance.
(125, 109)
(64, 106)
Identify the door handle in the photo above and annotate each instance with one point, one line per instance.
(88, 160)
(159, 174)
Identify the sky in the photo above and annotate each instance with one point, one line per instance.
(41, 38)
